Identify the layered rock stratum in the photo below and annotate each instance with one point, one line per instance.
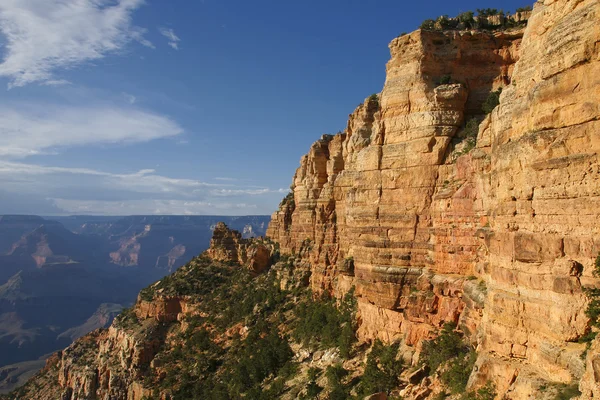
(501, 238)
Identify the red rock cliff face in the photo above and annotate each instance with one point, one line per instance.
(492, 239)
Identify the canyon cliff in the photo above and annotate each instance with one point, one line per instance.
(500, 238)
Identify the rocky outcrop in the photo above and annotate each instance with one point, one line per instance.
(500, 238)
(227, 245)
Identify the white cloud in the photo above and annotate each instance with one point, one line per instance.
(56, 82)
(149, 207)
(90, 191)
(173, 38)
(238, 192)
(29, 129)
(45, 35)
(142, 181)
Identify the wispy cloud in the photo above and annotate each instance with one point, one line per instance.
(173, 38)
(244, 192)
(28, 129)
(90, 191)
(43, 36)
(131, 99)
(149, 207)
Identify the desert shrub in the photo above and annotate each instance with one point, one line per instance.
(288, 199)
(487, 392)
(566, 392)
(321, 323)
(126, 319)
(487, 12)
(374, 99)
(260, 357)
(471, 128)
(428, 25)
(450, 353)
(381, 370)
(337, 389)
(492, 100)
(593, 310)
(456, 375)
(467, 19)
(444, 80)
(445, 22)
(446, 346)
(524, 9)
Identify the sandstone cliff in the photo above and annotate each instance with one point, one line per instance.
(500, 238)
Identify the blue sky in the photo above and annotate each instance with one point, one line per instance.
(122, 107)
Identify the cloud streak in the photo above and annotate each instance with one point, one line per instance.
(90, 191)
(30, 129)
(173, 38)
(43, 36)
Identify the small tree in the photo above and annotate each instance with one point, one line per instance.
(428, 25)
(491, 101)
(467, 19)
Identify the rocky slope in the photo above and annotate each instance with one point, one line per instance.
(500, 237)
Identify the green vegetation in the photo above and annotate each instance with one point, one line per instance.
(467, 20)
(592, 311)
(488, 12)
(444, 80)
(566, 392)
(428, 25)
(323, 324)
(449, 353)
(374, 98)
(288, 200)
(126, 319)
(487, 392)
(469, 133)
(381, 371)
(337, 389)
(236, 343)
(491, 101)
(524, 9)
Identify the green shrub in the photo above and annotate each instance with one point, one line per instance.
(566, 392)
(450, 353)
(487, 392)
(444, 80)
(126, 319)
(337, 389)
(373, 99)
(487, 12)
(428, 25)
(467, 19)
(321, 323)
(382, 370)
(446, 346)
(456, 375)
(524, 9)
(492, 100)
(445, 22)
